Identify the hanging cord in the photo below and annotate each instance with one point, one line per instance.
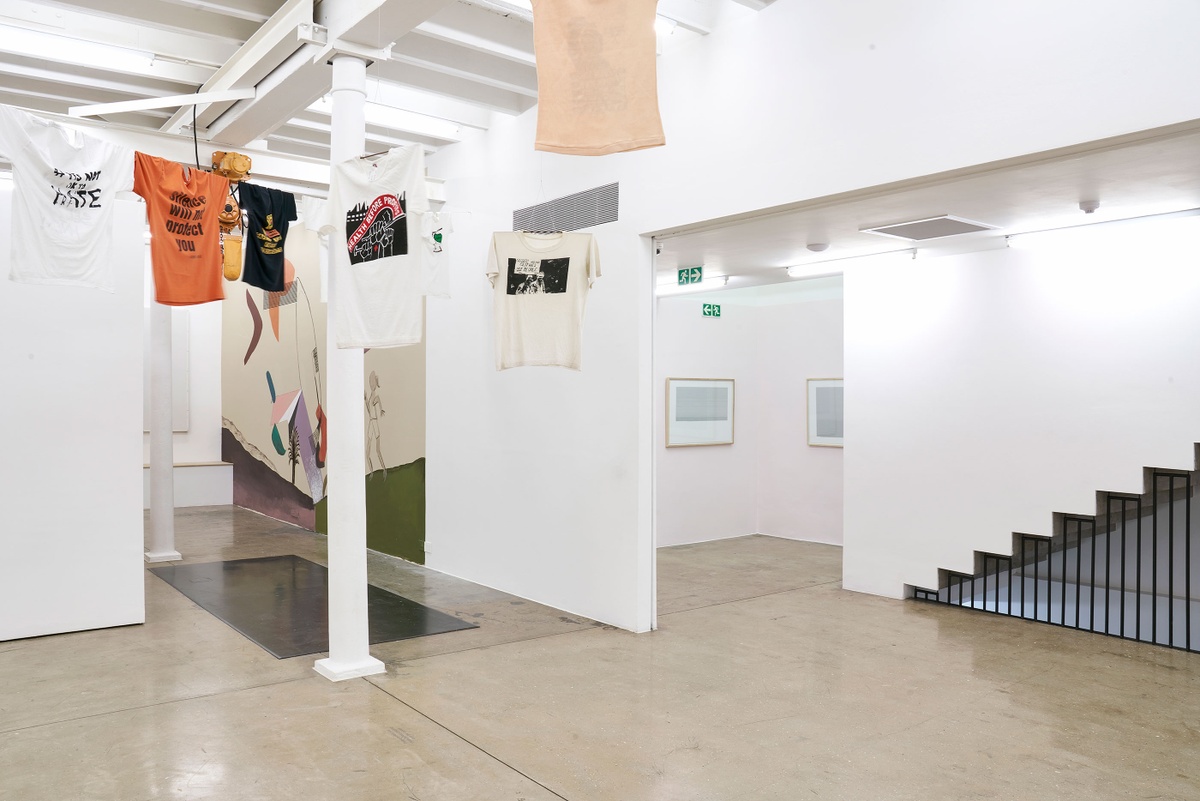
(195, 140)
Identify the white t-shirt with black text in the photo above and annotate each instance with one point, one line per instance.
(540, 284)
(64, 187)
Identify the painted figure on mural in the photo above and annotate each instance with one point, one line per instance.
(375, 410)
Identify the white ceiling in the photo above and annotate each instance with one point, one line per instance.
(443, 67)
(1152, 172)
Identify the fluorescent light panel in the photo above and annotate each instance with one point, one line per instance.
(398, 119)
(52, 47)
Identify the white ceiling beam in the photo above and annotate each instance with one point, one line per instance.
(374, 24)
(54, 48)
(478, 28)
(40, 103)
(300, 172)
(196, 99)
(754, 5)
(699, 16)
(289, 89)
(269, 47)
(313, 132)
(166, 16)
(451, 86)
(459, 112)
(258, 11)
(462, 62)
(519, 9)
(90, 88)
(34, 95)
(176, 45)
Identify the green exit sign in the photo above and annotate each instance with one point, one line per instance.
(691, 275)
(712, 310)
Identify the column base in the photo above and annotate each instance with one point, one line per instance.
(340, 671)
(163, 556)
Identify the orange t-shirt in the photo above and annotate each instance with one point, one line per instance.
(185, 240)
(597, 76)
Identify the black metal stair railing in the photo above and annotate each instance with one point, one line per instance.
(1125, 572)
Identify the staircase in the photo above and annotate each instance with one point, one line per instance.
(1126, 571)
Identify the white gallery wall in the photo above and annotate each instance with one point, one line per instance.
(539, 481)
(72, 367)
(989, 390)
(200, 478)
(706, 492)
(201, 442)
(799, 486)
(770, 340)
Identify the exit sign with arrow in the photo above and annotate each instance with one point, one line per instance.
(691, 275)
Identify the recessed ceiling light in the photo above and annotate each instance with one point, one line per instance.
(929, 228)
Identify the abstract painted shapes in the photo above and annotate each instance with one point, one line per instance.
(256, 318)
(273, 300)
(289, 408)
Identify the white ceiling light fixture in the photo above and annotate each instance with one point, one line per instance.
(673, 287)
(52, 47)
(818, 247)
(929, 228)
(397, 119)
(814, 269)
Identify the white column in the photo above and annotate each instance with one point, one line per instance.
(162, 451)
(349, 649)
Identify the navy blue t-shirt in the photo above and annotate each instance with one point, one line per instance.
(268, 212)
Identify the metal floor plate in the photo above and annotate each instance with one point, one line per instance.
(281, 603)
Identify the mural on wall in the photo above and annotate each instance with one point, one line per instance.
(274, 428)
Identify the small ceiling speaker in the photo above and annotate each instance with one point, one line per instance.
(1088, 206)
(817, 247)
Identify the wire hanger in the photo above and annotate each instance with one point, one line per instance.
(373, 155)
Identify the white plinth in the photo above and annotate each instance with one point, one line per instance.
(340, 671)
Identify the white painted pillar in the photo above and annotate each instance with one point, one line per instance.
(162, 450)
(349, 649)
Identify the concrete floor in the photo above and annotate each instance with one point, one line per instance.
(765, 681)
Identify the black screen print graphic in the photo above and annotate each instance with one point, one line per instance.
(538, 276)
(378, 230)
(76, 190)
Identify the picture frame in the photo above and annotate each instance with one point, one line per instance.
(699, 412)
(826, 420)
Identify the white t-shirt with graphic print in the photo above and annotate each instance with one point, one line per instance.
(540, 284)
(64, 188)
(378, 267)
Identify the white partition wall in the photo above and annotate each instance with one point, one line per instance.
(71, 497)
(539, 482)
(986, 391)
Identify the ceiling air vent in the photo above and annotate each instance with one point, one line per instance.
(929, 228)
(571, 213)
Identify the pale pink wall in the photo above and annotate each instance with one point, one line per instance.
(770, 340)
(799, 487)
(706, 492)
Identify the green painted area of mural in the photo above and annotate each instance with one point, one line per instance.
(277, 441)
(395, 512)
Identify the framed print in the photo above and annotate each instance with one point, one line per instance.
(825, 412)
(699, 411)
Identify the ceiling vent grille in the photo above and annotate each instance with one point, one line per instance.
(571, 213)
(929, 228)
